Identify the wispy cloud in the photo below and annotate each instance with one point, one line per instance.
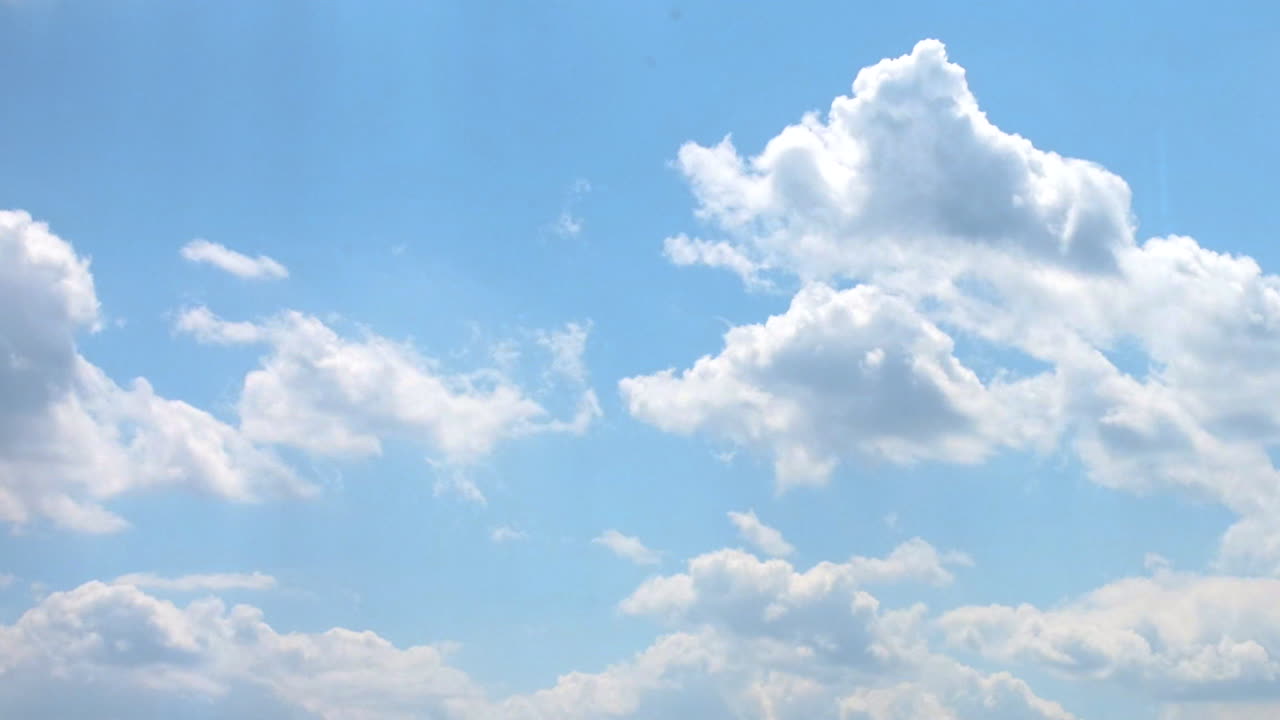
(505, 533)
(628, 547)
(569, 223)
(228, 260)
(199, 582)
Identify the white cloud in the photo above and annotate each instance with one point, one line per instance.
(857, 372)
(70, 437)
(683, 250)
(1172, 635)
(733, 586)
(766, 539)
(505, 533)
(904, 168)
(628, 547)
(213, 582)
(228, 260)
(333, 395)
(107, 650)
(819, 649)
(956, 230)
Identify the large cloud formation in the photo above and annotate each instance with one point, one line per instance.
(908, 221)
(747, 638)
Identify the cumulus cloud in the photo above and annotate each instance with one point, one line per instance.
(1176, 636)
(907, 162)
(911, 222)
(329, 394)
(108, 649)
(228, 260)
(830, 650)
(757, 638)
(627, 547)
(213, 582)
(733, 587)
(768, 540)
(70, 437)
(842, 373)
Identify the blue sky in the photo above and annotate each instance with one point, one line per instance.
(403, 282)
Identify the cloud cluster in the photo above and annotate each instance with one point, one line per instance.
(70, 437)
(829, 651)
(913, 226)
(328, 394)
(1177, 636)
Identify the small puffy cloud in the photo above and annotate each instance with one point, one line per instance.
(1177, 636)
(329, 394)
(766, 539)
(504, 534)
(70, 437)
(228, 260)
(206, 327)
(212, 582)
(627, 547)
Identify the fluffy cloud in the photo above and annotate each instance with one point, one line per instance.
(325, 393)
(733, 586)
(228, 260)
(829, 651)
(70, 437)
(628, 547)
(907, 164)
(768, 540)
(953, 232)
(1177, 636)
(855, 372)
(107, 649)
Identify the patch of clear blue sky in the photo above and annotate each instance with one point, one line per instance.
(326, 134)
